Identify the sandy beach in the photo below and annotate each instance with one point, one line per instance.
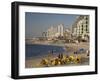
(35, 62)
(70, 47)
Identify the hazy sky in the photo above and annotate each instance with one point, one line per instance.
(36, 23)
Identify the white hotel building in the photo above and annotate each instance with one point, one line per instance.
(81, 27)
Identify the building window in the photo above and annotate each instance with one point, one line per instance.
(86, 28)
(86, 22)
(86, 18)
(82, 32)
(82, 25)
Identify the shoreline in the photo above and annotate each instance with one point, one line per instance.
(62, 44)
(34, 62)
(46, 44)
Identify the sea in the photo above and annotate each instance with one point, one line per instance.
(37, 50)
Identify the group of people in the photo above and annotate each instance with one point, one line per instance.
(61, 59)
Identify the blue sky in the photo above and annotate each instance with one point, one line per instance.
(36, 23)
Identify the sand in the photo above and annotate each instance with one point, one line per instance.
(70, 47)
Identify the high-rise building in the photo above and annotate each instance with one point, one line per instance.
(61, 29)
(51, 32)
(55, 31)
(81, 27)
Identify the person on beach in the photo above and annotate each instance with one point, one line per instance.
(51, 51)
(60, 56)
(87, 52)
(44, 62)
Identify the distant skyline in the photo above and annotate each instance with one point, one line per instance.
(36, 23)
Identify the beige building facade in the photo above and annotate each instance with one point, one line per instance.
(81, 27)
